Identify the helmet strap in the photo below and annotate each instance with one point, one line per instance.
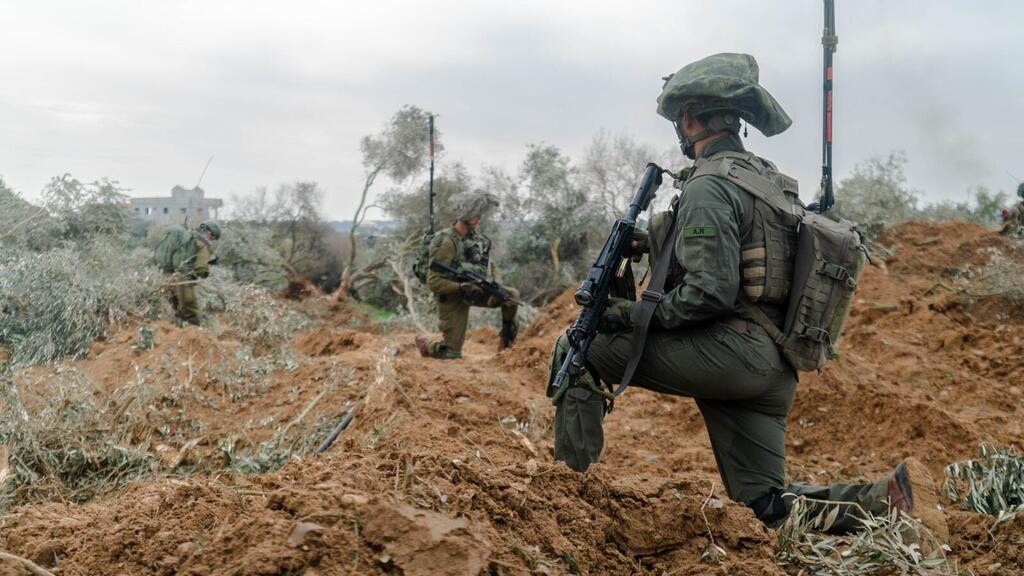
(727, 122)
(687, 144)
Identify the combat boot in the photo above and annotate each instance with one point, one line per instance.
(423, 345)
(508, 333)
(912, 492)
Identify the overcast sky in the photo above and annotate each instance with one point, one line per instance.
(144, 91)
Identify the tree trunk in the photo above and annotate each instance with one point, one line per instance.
(349, 281)
(399, 266)
(357, 219)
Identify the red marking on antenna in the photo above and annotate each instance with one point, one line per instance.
(828, 116)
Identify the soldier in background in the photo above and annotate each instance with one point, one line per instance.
(1013, 219)
(463, 246)
(187, 256)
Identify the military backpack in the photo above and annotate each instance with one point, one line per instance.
(821, 268)
(422, 263)
(177, 249)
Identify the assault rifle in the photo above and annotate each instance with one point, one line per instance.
(489, 287)
(610, 275)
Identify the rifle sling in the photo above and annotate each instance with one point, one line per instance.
(649, 300)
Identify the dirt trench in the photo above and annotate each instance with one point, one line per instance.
(447, 469)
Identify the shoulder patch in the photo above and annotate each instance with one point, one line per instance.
(699, 232)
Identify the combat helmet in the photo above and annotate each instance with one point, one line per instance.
(475, 204)
(721, 89)
(213, 227)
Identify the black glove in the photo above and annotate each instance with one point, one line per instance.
(470, 291)
(616, 316)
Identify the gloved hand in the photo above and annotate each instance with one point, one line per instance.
(470, 290)
(616, 316)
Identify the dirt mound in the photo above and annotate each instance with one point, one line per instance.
(329, 342)
(446, 467)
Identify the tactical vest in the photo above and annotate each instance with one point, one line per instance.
(471, 253)
(477, 253)
(768, 236)
(802, 264)
(769, 232)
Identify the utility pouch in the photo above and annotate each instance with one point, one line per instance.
(579, 428)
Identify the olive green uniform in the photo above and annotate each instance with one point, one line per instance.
(473, 253)
(183, 283)
(702, 345)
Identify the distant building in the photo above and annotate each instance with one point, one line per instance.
(182, 202)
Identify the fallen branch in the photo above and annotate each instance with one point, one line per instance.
(349, 282)
(713, 553)
(306, 410)
(880, 306)
(345, 421)
(935, 287)
(14, 228)
(525, 442)
(27, 564)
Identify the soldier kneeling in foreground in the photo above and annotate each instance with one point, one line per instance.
(727, 280)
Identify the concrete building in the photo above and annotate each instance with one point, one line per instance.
(182, 202)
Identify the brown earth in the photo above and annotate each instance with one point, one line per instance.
(446, 468)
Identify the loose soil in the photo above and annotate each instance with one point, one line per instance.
(446, 468)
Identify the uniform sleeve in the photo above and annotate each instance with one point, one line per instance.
(442, 249)
(202, 264)
(707, 246)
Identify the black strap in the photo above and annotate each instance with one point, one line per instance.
(649, 300)
(761, 318)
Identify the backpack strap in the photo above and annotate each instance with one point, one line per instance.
(747, 172)
(649, 300)
(761, 319)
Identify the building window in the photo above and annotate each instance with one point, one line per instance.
(165, 210)
(182, 210)
(148, 211)
(136, 210)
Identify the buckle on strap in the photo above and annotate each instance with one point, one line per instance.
(814, 333)
(835, 271)
(651, 296)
